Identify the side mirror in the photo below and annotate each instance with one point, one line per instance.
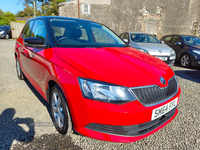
(125, 40)
(34, 42)
(178, 43)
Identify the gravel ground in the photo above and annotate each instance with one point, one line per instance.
(25, 122)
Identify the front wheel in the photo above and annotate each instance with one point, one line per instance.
(185, 60)
(59, 111)
(19, 71)
(7, 36)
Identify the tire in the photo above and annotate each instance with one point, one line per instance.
(7, 36)
(185, 60)
(59, 111)
(19, 71)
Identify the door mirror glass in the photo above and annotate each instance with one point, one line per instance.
(125, 40)
(178, 43)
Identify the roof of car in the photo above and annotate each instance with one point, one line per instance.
(59, 17)
(138, 33)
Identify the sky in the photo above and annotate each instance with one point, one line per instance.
(11, 5)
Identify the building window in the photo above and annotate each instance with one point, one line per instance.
(85, 9)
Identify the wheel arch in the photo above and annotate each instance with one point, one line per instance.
(50, 85)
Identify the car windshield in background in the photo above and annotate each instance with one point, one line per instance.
(191, 40)
(72, 33)
(145, 38)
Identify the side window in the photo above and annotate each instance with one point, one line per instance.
(39, 30)
(27, 29)
(126, 36)
(122, 36)
(102, 36)
(176, 39)
(167, 39)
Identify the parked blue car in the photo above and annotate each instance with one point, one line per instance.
(5, 32)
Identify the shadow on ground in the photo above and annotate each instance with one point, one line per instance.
(50, 142)
(192, 75)
(10, 129)
(47, 141)
(37, 94)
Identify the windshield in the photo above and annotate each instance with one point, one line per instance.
(77, 33)
(191, 40)
(145, 38)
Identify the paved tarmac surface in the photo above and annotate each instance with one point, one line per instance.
(25, 122)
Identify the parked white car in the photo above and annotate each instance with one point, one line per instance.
(150, 44)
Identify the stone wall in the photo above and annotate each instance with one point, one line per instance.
(159, 17)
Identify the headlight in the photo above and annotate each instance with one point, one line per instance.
(196, 51)
(105, 92)
(142, 50)
(1, 32)
(172, 53)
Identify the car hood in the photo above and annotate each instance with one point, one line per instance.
(153, 48)
(2, 30)
(122, 66)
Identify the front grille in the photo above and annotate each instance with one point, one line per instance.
(133, 130)
(154, 94)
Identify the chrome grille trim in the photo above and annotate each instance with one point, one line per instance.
(153, 95)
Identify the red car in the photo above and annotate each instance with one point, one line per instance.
(96, 84)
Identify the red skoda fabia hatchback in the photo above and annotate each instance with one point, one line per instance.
(96, 84)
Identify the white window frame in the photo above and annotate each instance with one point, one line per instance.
(83, 12)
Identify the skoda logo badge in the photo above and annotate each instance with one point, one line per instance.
(160, 51)
(162, 80)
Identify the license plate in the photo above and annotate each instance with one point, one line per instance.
(163, 58)
(160, 111)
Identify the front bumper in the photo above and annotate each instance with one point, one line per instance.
(120, 123)
(2, 36)
(195, 60)
(169, 62)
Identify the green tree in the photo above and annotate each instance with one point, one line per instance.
(6, 17)
(43, 7)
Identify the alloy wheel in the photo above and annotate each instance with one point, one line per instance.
(7, 36)
(57, 106)
(185, 60)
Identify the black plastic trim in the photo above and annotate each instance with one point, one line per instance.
(133, 130)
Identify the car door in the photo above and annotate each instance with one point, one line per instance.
(178, 46)
(36, 60)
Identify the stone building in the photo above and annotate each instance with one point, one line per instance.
(158, 17)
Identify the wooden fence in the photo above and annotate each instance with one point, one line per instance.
(16, 28)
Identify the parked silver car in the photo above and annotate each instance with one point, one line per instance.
(150, 44)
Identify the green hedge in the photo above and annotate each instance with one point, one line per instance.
(21, 21)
